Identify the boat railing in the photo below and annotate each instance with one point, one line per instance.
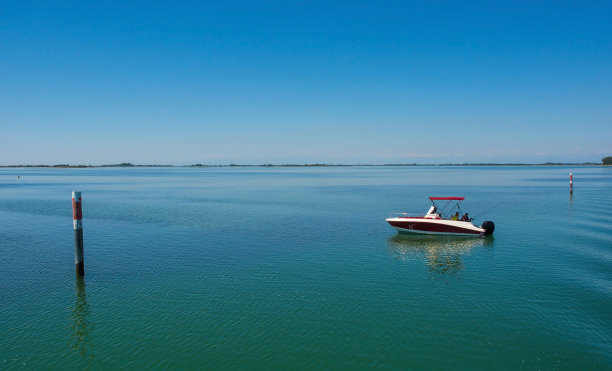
(405, 215)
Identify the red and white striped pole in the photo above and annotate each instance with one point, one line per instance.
(571, 184)
(77, 216)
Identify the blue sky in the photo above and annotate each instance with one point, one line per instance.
(171, 82)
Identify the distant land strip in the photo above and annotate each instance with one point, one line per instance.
(127, 164)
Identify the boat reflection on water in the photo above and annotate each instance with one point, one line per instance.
(442, 254)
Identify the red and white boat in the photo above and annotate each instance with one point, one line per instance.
(435, 223)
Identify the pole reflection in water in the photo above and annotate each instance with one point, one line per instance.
(442, 254)
(81, 329)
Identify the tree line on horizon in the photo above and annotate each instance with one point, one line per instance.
(604, 161)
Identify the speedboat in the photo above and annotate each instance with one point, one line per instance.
(434, 222)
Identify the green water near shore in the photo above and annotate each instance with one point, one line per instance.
(271, 268)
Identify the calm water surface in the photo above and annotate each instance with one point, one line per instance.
(295, 268)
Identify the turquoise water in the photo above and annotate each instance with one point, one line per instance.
(295, 268)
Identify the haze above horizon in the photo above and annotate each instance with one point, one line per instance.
(305, 82)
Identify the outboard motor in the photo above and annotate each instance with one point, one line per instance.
(488, 226)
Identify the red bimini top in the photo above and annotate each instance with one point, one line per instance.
(447, 198)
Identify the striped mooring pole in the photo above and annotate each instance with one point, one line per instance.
(571, 184)
(77, 216)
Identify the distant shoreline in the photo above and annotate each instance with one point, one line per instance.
(129, 165)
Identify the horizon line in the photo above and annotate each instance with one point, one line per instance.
(199, 165)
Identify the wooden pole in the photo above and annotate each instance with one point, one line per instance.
(77, 216)
(571, 184)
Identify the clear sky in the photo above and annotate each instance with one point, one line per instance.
(170, 82)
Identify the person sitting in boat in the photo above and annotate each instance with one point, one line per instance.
(456, 216)
(465, 218)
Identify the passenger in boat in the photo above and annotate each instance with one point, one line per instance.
(456, 216)
(465, 218)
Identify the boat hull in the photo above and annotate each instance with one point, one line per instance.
(435, 226)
